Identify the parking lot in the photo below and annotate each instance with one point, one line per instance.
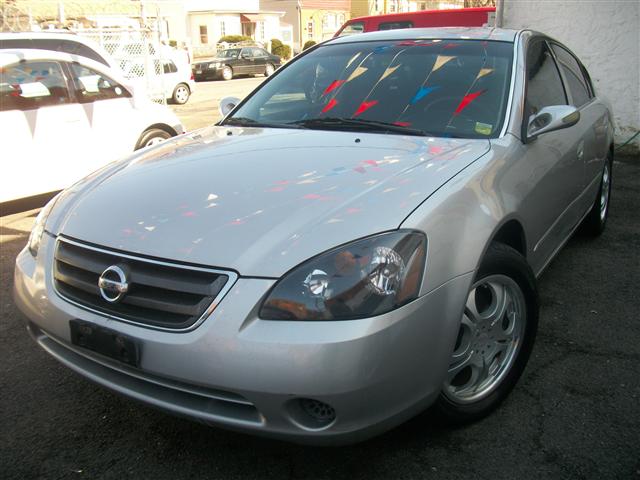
(574, 414)
(202, 108)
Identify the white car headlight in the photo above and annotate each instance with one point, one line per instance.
(38, 227)
(364, 278)
(214, 65)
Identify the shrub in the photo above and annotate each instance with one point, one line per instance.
(235, 39)
(308, 44)
(280, 49)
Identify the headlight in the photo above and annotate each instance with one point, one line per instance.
(214, 65)
(364, 278)
(38, 227)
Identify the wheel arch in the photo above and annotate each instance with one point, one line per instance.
(160, 126)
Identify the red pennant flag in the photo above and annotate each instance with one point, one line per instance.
(364, 106)
(467, 100)
(332, 86)
(332, 103)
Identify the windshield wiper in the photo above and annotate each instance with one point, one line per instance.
(330, 123)
(250, 122)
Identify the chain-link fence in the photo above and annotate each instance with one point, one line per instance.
(138, 53)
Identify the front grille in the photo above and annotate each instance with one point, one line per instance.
(160, 294)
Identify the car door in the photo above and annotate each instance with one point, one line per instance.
(43, 131)
(247, 61)
(261, 57)
(556, 169)
(592, 127)
(109, 109)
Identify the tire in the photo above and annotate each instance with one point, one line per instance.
(153, 136)
(269, 69)
(595, 221)
(227, 73)
(181, 94)
(491, 338)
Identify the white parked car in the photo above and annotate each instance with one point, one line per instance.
(170, 78)
(63, 116)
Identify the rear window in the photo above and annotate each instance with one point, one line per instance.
(448, 88)
(355, 27)
(395, 25)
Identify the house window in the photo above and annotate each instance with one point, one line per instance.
(261, 30)
(393, 6)
(223, 29)
(310, 29)
(204, 38)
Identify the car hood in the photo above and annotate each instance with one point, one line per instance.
(260, 201)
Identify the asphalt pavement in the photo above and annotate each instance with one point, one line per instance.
(575, 413)
(202, 108)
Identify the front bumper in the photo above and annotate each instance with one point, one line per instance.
(206, 73)
(243, 373)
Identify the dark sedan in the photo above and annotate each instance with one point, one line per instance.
(237, 61)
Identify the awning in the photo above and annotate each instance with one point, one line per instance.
(252, 18)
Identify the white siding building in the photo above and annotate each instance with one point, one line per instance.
(606, 37)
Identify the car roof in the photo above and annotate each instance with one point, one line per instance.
(12, 55)
(450, 33)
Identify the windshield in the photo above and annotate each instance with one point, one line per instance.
(448, 88)
(233, 53)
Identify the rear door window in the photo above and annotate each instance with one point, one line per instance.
(573, 75)
(32, 85)
(395, 25)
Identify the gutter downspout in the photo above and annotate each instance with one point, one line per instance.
(499, 13)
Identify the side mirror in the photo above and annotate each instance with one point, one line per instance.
(550, 119)
(227, 104)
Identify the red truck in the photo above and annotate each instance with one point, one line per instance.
(460, 17)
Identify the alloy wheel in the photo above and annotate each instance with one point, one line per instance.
(182, 94)
(490, 336)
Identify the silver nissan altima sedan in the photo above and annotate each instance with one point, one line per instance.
(355, 241)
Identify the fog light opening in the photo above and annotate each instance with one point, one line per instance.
(312, 414)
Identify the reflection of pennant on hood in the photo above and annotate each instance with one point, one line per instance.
(421, 93)
(440, 61)
(483, 72)
(467, 100)
(388, 72)
(364, 106)
(356, 73)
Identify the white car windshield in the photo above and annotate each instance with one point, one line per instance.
(447, 88)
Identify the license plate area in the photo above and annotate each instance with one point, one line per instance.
(105, 341)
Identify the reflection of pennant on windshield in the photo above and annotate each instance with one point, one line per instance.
(332, 86)
(440, 61)
(483, 72)
(388, 72)
(364, 106)
(332, 103)
(353, 59)
(421, 93)
(356, 73)
(467, 100)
